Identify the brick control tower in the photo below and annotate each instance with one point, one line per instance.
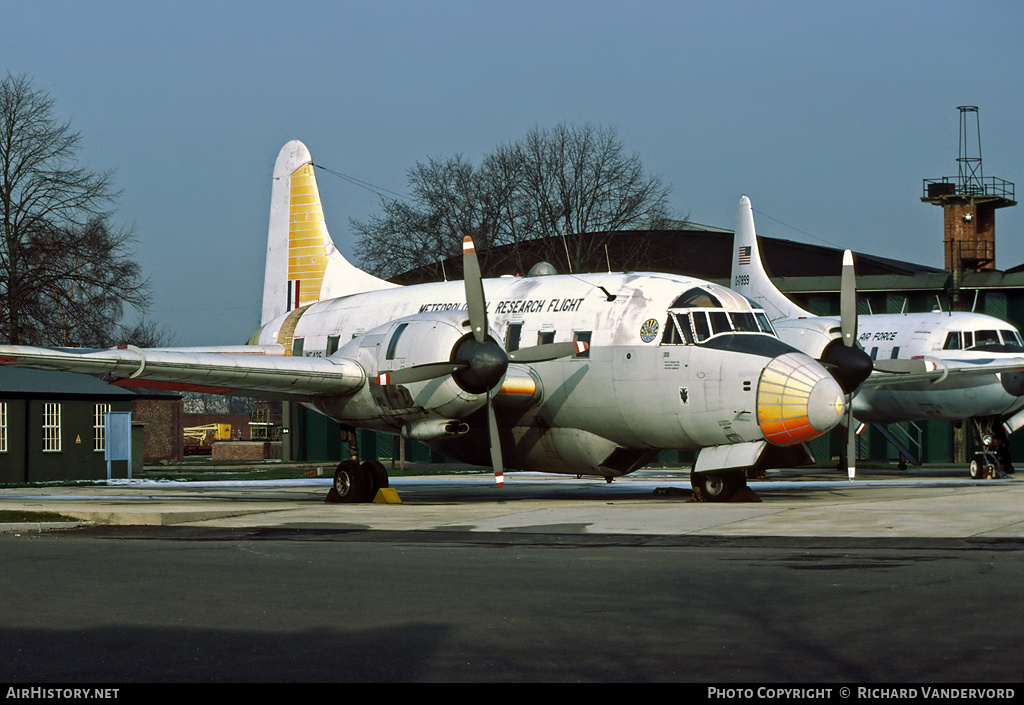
(969, 202)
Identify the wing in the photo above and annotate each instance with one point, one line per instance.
(889, 372)
(263, 369)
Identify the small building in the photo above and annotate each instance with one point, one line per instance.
(52, 426)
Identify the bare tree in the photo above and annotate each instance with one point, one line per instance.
(565, 189)
(66, 274)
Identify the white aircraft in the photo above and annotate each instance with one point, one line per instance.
(589, 374)
(949, 366)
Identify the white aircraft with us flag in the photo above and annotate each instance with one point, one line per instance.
(941, 365)
(586, 374)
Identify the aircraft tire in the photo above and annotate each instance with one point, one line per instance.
(377, 475)
(717, 487)
(351, 483)
(975, 470)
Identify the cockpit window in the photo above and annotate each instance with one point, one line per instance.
(763, 323)
(697, 298)
(699, 314)
(1011, 337)
(986, 337)
(671, 336)
(965, 340)
(701, 330)
(720, 322)
(743, 321)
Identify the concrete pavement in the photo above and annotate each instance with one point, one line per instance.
(933, 502)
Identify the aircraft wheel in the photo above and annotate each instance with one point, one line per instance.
(717, 487)
(377, 475)
(975, 470)
(351, 483)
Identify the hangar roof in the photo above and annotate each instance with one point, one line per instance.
(692, 249)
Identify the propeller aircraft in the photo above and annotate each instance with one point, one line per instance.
(949, 366)
(586, 374)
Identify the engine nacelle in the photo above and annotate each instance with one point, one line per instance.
(810, 336)
(425, 409)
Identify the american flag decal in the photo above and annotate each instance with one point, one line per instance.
(744, 253)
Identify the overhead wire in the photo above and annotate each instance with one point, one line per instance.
(802, 232)
(378, 190)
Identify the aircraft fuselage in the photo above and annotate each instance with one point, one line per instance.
(629, 393)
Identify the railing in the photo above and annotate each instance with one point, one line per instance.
(973, 186)
(912, 437)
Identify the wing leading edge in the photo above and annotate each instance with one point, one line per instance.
(889, 372)
(183, 370)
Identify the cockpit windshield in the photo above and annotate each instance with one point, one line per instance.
(699, 315)
(1006, 339)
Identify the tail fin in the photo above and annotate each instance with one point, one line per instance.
(303, 265)
(748, 274)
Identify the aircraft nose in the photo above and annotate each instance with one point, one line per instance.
(797, 400)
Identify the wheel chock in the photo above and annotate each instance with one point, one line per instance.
(387, 495)
(744, 494)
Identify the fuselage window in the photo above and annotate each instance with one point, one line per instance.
(583, 335)
(297, 345)
(953, 341)
(512, 335)
(333, 341)
(394, 340)
(764, 324)
(545, 336)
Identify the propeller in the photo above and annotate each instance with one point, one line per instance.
(848, 363)
(478, 362)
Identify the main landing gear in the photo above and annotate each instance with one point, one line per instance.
(355, 482)
(993, 461)
(722, 486)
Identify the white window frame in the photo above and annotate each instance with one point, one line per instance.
(52, 428)
(99, 427)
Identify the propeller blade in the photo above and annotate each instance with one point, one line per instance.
(492, 431)
(848, 301)
(848, 362)
(851, 443)
(475, 301)
(419, 373)
(548, 351)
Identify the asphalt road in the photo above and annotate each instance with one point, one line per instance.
(905, 580)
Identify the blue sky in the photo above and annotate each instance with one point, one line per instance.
(828, 115)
